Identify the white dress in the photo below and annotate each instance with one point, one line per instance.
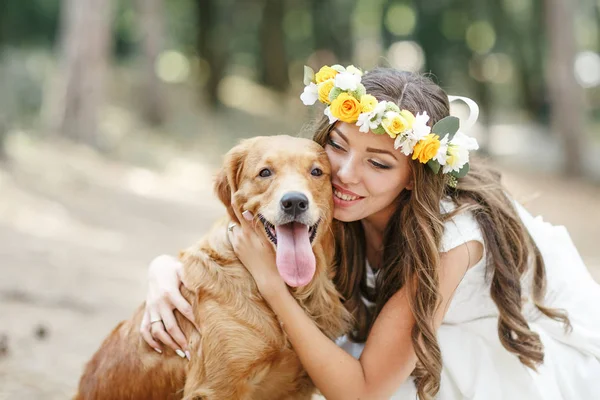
(476, 365)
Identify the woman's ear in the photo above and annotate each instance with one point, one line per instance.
(410, 184)
(228, 178)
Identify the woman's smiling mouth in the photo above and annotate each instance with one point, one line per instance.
(343, 197)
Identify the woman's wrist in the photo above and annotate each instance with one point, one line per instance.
(271, 288)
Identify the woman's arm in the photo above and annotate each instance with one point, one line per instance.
(388, 358)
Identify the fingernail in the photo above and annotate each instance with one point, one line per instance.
(159, 351)
(188, 355)
(247, 215)
(180, 353)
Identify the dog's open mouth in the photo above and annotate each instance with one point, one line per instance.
(296, 261)
(272, 232)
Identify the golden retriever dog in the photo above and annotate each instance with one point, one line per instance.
(241, 350)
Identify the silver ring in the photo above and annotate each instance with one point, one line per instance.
(157, 320)
(230, 226)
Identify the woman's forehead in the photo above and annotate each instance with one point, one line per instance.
(359, 140)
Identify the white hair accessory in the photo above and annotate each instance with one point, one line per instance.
(473, 110)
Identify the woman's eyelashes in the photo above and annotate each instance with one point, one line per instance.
(379, 165)
(373, 162)
(334, 145)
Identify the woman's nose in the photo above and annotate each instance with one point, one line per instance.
(348, 172)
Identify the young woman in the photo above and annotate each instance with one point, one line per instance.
(457, 291)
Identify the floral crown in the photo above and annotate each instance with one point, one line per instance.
(346, 99)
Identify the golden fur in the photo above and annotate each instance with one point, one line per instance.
(241, 351)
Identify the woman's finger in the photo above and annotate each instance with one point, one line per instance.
(159, 333)
(182, 305)
(173, 329)
(239, 213)
(146, 335)
(179, 272)
(249, 226)
(153, 313)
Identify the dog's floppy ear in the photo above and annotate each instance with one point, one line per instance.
(228, 178)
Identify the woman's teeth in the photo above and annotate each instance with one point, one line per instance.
(343, 196)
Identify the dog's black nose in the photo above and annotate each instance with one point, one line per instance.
(294, 203)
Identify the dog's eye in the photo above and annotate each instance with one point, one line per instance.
(264, 173)
(316, 172)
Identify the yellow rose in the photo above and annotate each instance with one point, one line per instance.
(368, 102)
(394, 124)
(426, 148)
(409, 117)
(324, 74)
(345, 108)
(324, 89)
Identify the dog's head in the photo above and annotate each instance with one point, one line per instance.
(285, 183)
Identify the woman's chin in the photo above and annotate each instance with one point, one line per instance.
(343, 215)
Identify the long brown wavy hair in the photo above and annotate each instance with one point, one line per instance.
(411, 252)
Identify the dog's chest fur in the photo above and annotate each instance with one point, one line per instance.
(237, 327)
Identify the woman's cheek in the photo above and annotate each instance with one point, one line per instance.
(333, 160)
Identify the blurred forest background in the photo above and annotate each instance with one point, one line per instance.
(114, 115)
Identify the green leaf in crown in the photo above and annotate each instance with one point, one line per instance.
(434, 165)
(309, 75)
(334, 93)
(448, 125)
(462, 172)
(379, 130)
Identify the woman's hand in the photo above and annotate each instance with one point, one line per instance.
(256, 252)
(159, 323)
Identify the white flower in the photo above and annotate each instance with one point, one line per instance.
(462, 140)
(420, 128)
(405, 143)
(327, 112)
(408, 139)
(458, 152)
(400, 142)
(377, 114)
(372, 119)
(441, 155)
(347, 80)
(364, 122)
(353, 70)
(310, 94)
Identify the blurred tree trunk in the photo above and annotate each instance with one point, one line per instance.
(566, 95)
(274, 65)
(387, 38)
(151, 25)
(3, 21)
(481, 11)
(332, 29)
(430, 37)
(3, 132)
(484, 100)
(78, 98)
(536, 97)
(214, 28)
(526, 40)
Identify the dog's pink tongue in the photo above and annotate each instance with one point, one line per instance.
(295, 259)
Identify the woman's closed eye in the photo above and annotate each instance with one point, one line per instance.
(379, 165)
(334, 145)
(374, 163)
